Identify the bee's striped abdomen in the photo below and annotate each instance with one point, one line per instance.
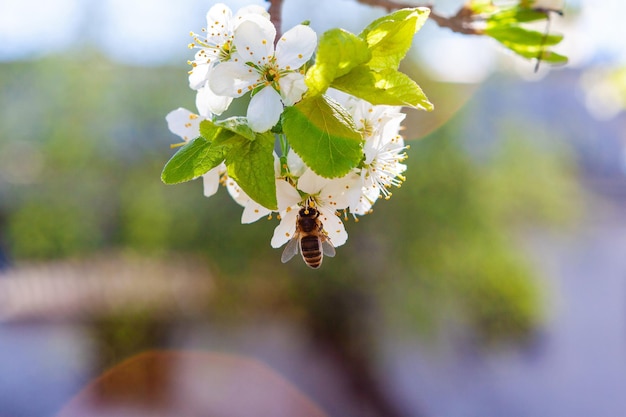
(311, 251)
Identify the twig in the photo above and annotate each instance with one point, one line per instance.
(276, 15)
(462, 22)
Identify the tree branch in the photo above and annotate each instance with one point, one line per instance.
(463, 22)
(276, 15)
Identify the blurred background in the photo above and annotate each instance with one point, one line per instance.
(492, 283)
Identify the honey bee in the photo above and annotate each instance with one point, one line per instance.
(310, 239)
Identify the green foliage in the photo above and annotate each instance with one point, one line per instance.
(445, 239)
(248, 157)
(452, 248)
(324, 135)
(49, 229)
(251, 165)
(506, 25)
(389, 87)
(194, 159)
(389, 37)
(318, 129)
(338, 52)
(367, 66)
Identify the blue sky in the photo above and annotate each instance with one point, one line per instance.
(155, 32)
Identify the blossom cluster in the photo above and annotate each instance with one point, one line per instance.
(237, 58)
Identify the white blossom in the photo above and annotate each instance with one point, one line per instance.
(326, 195)
(186, 124)
(262, 65)
(215, 45)
(383, 150)
(252, 211)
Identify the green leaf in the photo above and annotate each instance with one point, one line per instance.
(238, 125)
(323, 134)
(552, 57)
(388, 87)
(480, 6)
(514, 16)
(194, 159)
(399, 16)
(537, 51)
(251, 165)
(522, 36)
(338, 52)
(390, 37)
(220, 130)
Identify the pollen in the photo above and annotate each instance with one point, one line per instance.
(300, 56)
(239, 91)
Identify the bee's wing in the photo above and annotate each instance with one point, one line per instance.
(328, 248)
(290, 250)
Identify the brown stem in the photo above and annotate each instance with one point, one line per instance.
(276, 15)
(462, 22)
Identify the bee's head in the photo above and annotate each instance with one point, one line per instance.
(309, 211)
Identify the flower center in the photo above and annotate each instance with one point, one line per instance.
(270, 74)
(368, 128)
(226, 50)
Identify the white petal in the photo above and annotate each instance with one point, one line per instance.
(218, 17)
(285, 229)
(250, 12)
(264, 110)
(236, 192)
(286, 195)
(184, 123)
(211, 181)
(363, 198)
(296, 47)
(292, 87)
(336, 192)
(371, 147)
(254, 40)
(391, 124)
(311, 183)
(232, 79)
(333, 226)
(209, 103)
(198, 76)
(295, 163)
(253, 212)
(277, 167)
